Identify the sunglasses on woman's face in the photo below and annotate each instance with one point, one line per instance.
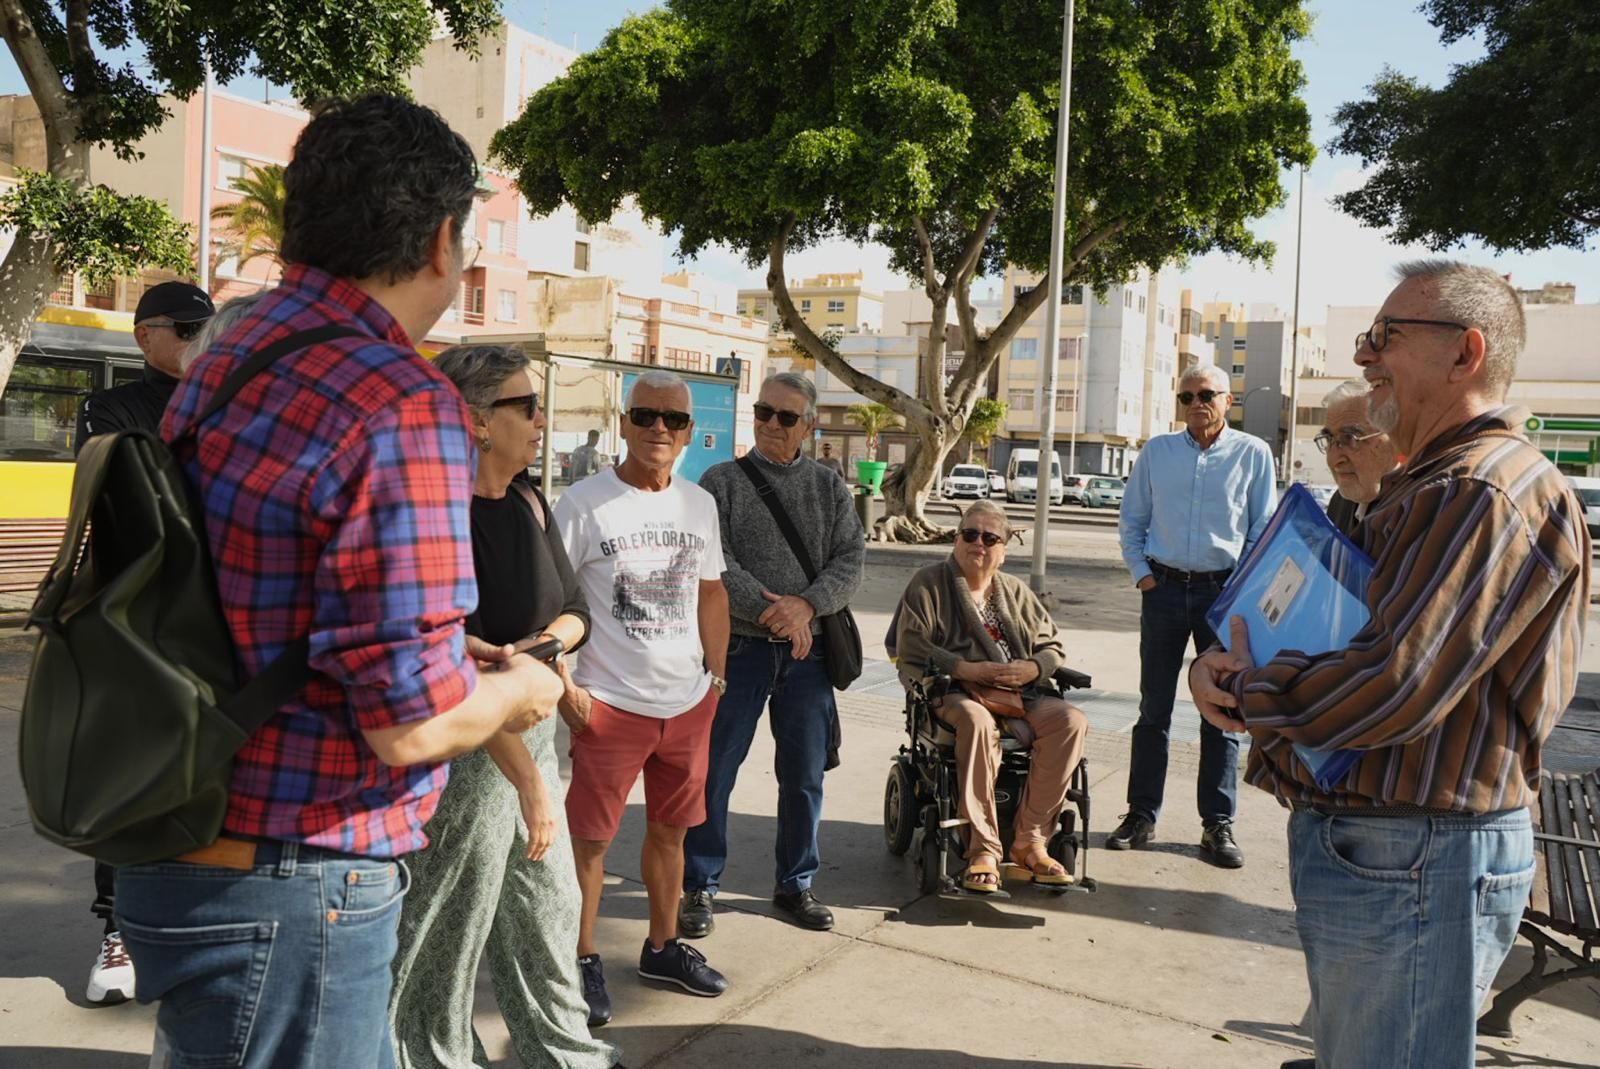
(972, 534)
(1207, 396)
(529, 402)
(646, 417)
(786, 418)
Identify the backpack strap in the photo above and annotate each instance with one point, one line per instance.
(769, 497)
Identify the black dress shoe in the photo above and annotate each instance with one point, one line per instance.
(805, 909)
(694, 915)
(1300, 1063)
(1133, 831)
(1217, 843)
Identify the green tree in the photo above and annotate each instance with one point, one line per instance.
(874, 419)
(1507, 151)
(66, 51)
(929, 126)
(984, 423)
(256, 218)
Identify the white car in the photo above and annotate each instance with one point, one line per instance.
(965, 480)
(997, 483)
(1588, 491)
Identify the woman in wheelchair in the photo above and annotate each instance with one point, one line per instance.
(996, 641)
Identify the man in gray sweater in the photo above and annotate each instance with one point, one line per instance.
(775, 654)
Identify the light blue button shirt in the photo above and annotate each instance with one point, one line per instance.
(1198, 510)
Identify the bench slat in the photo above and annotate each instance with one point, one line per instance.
(1569, 798)
(1558, 905)
(1586, 806)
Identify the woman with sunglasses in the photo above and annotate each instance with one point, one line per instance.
(497, 876)
(996, 640)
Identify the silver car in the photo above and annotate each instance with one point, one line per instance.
(1103, 492)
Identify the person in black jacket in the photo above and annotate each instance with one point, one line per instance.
(1359, 455)
(167, 318)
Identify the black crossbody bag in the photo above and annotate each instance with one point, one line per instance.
(841, 641)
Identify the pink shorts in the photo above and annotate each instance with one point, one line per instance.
(608, 755)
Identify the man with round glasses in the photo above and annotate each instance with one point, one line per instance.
(1359, 455)
(776, 661)
(166, 319)
(1194, 506)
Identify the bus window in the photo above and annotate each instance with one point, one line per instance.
(39, 409)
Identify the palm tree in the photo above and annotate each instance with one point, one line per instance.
(874, 419)
(256, 218)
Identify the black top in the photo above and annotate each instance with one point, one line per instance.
(524, 578)
(1342, 511)
(131, 406)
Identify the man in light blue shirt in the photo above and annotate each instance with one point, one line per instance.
(1194, 506)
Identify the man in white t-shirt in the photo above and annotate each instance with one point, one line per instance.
(647, 548)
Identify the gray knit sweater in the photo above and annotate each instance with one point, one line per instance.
(758, 556)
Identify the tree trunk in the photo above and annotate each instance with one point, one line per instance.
(905, 496)
(28, 274)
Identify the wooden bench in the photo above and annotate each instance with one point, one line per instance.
(1566, 893)
(27, 549)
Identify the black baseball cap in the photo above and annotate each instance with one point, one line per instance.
(177, 301)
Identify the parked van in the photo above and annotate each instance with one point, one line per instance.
(1022, 477)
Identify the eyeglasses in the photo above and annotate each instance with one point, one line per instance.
(528, 402)
(184, 331)
(1377, 336)
(470, 248)
(646, 417)
(1348, 438)
(786, 418)
(972, 534)
(1206, 396)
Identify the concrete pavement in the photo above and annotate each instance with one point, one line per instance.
(1171, 963)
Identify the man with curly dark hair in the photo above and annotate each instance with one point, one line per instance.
(337, 515)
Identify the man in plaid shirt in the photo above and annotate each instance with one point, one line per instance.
(336, 489)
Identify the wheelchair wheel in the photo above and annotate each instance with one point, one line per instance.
(928, 867)
(899, 810)
(1063, 845)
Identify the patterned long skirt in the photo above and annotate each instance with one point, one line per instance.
(473, 891)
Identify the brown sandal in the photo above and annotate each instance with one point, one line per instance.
(979, 867)
(1033, 864)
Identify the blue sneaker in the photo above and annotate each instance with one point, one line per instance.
(681, 964)
(594, 990)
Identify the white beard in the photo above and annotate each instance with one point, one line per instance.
(1384, 415)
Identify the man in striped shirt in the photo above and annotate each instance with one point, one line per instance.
(1410, 876)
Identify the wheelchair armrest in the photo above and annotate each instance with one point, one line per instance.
(1071, 679)
(933, 686)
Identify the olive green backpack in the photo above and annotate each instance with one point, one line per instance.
(134, 708)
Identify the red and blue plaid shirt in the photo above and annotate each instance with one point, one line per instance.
(337, 487)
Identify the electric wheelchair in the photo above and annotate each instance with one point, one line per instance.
(919, 800)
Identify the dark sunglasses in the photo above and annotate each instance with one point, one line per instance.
(184, 331)
(529, 402)
(1377, 336)
(1187, 396)
(786, 418)
(972, 534)
(646, 417)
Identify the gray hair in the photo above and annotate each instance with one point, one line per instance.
(1349, 390)
(982, 507)
(225, 319)
(1217, 377)
(479, 371)
(659, 378)
(801, 385)
(1478, 297)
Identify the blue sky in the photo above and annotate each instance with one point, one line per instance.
(1342, 263)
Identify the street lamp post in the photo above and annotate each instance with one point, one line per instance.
(1245, 400)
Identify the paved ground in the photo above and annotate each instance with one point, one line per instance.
(1171, 963)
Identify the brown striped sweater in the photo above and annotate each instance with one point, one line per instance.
(1478, 604)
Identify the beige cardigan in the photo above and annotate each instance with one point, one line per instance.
(939, 624)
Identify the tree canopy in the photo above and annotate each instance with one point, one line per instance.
(929, 126)
(1507, 151)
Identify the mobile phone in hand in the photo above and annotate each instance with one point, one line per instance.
(546, 650)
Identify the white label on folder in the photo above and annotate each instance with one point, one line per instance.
(1280, 595)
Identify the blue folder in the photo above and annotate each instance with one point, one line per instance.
(1303, 587)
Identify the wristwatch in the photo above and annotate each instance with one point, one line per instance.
(720, 683)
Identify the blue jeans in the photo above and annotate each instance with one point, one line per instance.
(1170, 614)
(1404, 922)
(284, 964)
(802, 708)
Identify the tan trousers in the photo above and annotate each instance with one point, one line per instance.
(1059, 730)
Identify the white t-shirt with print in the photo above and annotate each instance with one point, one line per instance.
(640, 557)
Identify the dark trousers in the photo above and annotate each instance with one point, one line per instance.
(1171, 614)
(104, 894)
